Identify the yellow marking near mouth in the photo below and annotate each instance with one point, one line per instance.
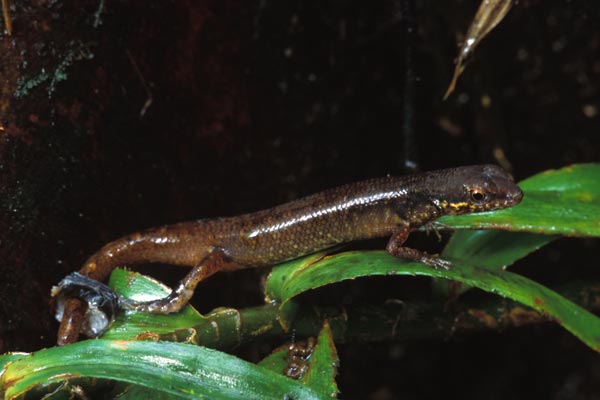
(462, 205)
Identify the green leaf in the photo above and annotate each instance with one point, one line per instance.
(7, 358)
(281, 276)
(564, 201)
(184, 370)
(323, 365)
(493, 249)
(130, 324)
(277, 361)
(287, 281)
(127, 391)
(487, 249)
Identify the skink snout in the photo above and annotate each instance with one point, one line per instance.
(514, 196)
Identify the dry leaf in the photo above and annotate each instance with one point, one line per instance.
(490, 13)
(7, 23)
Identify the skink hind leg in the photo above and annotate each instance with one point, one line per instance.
(394, 247)
(87, 306)
(215, 261)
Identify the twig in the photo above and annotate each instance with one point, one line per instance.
(149, 98)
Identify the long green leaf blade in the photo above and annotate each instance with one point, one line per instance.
(493, 249)
(277, 361)
(284, 283)
(188, 371)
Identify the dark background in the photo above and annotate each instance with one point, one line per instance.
(120, 116)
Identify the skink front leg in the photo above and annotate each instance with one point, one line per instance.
(394, 247)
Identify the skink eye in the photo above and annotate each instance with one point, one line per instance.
(477, 196)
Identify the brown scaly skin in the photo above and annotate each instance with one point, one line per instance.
(392, 206)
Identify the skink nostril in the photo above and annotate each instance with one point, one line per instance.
(518, 195)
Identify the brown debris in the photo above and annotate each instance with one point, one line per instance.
(520, 316)
(485, 319)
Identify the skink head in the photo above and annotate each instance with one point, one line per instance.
(474, 189)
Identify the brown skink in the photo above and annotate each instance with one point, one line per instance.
(391, 206)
